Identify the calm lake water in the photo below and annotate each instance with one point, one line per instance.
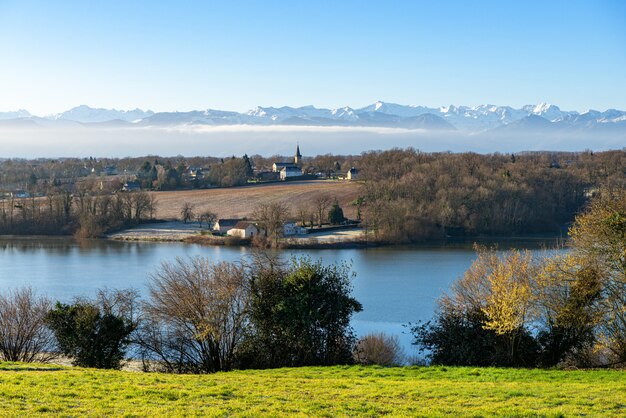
(395, 285)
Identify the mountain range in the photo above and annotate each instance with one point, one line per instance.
(483, 118)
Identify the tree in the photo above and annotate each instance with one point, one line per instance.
(271, 218)
(23, 332)
(300, 315)
(485, 319)
(208, 217)
(186, 212)
(335, 214)
(599, 236)
(568, 294)
(95, 333)
(321, 202)
(196, 316)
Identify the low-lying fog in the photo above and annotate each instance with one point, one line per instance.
(223, 141)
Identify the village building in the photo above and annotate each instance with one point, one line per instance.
(291, 228)
(109, 170)
(20, 194)
(352, 174)
(224, 225)
(290, 171)
(131, 186)
(287, 170)
(243, 229)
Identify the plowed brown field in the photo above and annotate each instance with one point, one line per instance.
(237, 202)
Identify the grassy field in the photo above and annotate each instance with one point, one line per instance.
(238, 202)
(28, 390)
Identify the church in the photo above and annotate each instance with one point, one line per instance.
(287, 170)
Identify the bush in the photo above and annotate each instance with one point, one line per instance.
(23, 332)
(460, 339)
(300, 315)
(95, 333)
(379, 348)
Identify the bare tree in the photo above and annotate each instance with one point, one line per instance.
(186, 212)
(322, 202)
(23, 332)
(208, 217)
(195, 317)
(271, 217)
(304, 214)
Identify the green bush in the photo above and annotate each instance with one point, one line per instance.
(95, 333)
(300, 315)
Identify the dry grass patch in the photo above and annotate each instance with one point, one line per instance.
(237, 202)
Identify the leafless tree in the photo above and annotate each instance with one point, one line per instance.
(322, 202)
(195, 317)
(186, 212)
(23, 332)
(208, 217)
(271, 217)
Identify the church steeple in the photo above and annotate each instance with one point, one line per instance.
(298, 157)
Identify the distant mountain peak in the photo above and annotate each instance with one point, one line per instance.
(477, 118)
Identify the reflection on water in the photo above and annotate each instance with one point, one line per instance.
(396, 285)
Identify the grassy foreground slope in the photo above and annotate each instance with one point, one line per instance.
(26, 390)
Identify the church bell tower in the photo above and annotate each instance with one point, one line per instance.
(297, 159)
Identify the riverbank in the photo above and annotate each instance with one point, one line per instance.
(48, 390)
(192, 232)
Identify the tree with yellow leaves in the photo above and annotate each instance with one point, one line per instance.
(599, 236)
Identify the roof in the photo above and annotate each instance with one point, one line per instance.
(228, 222)
(243, 225)
(285, 165)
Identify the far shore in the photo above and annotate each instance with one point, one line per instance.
(192, 232)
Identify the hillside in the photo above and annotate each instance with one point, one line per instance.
(29, 390)
(240, 201)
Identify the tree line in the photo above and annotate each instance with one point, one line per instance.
(411, 196)
(85, 213)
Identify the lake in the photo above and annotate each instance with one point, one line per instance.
(396, 285)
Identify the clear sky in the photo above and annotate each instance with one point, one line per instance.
(235, 55)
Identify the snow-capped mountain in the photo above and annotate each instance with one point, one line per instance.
(86, 114)
(472, 119)
(14, 115)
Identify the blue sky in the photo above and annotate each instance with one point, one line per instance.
(235, 55)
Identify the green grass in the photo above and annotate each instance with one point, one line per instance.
(27, 390)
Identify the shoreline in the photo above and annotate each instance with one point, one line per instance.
(552, 241)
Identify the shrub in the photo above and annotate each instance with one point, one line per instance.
(379, 348)
(23, 332)
(95, 333)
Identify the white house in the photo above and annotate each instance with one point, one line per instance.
(290, 171)
(243, 229)
(290, 228)
(224, 225)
